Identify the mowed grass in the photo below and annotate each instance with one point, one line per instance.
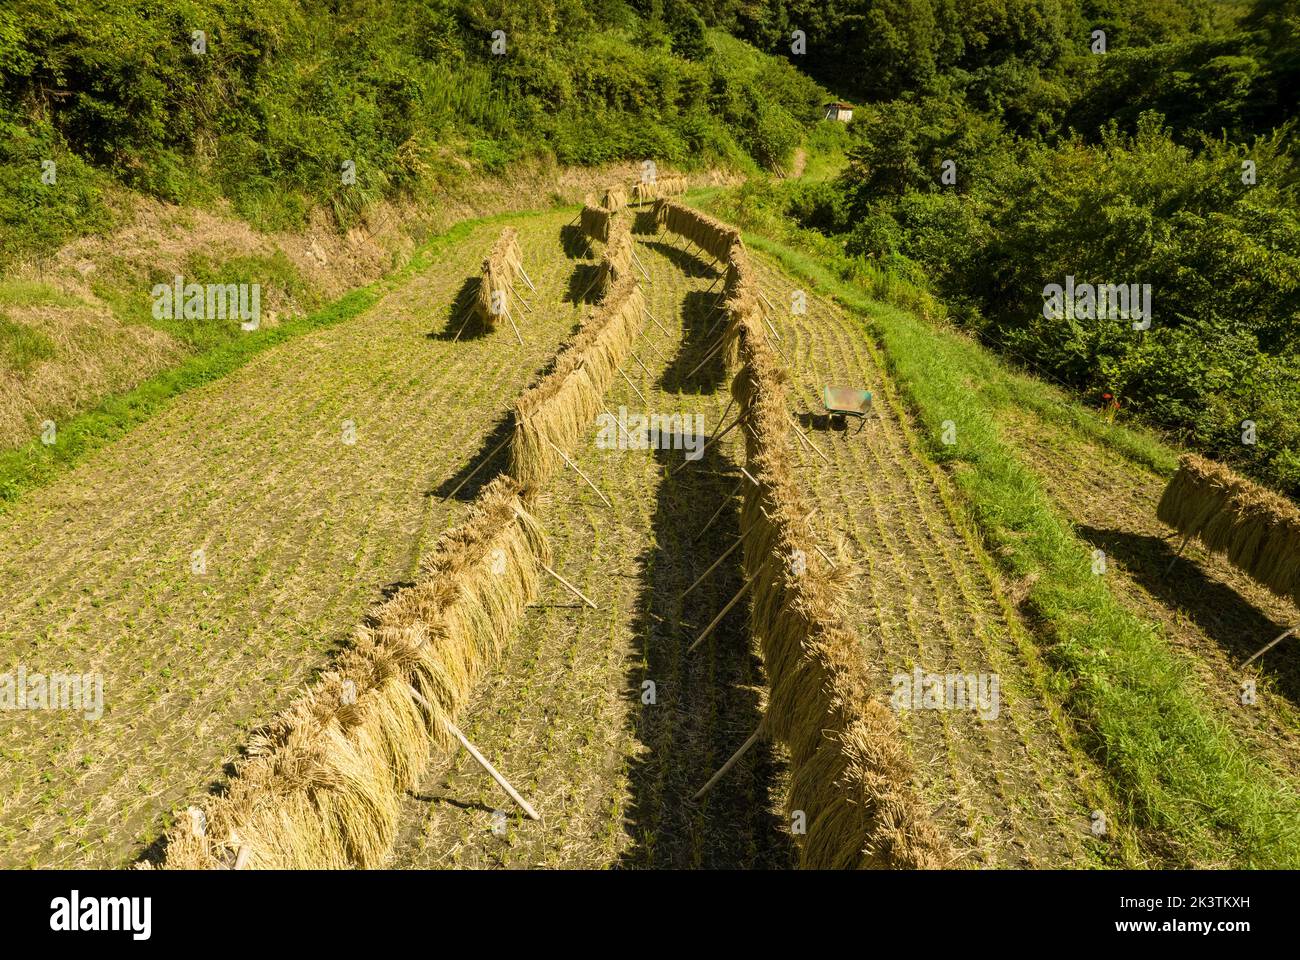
(1180, 774)
(300, 533)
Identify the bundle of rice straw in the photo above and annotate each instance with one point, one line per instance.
(595, 222)
(615, 199)
(554, 414)
(616, 262)
(322, 787)
(849, 771)
(502, 267)
(667, 186)
(1258, 530)
(712, 236)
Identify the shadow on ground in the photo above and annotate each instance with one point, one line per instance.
(1225, 616)
(706, 703)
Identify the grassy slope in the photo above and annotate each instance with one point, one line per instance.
(1180, 774)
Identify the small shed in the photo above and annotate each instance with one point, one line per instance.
(839, 110)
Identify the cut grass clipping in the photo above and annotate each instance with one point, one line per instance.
(849, 770)
(1256, 529)
(1179, 772)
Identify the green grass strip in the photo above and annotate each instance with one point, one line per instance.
(1177, 770)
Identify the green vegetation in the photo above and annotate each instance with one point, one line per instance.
(983, 172)
(409, 91)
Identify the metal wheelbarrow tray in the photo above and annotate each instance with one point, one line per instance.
(847, 402)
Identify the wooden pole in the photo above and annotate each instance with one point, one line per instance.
(656, 322)
(524, 273)
(572, 589)
(1181, 547)
(516, 328)
(579, 472)
(242, 858)
(481, 464)
(1270, 646)
(491, 770)
(652, 346)
(801, 436)
(700, 579)
(717, 513)
(708, 356)
(632, 385)
(712, 440)
(725, 610)
(735, 758)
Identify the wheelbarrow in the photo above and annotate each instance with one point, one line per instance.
(845, 402)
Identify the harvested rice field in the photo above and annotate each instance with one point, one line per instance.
(291, 582)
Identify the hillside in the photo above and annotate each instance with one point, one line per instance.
(518, 525)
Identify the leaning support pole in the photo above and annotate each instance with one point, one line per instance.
(482, 463)
(572, 589)
(700, 579)
(735, 758)
(717, 513)
(725, 610)
(632, 385)
(1181, 547)
(492, 771)
(1270, 646)
(578, 470)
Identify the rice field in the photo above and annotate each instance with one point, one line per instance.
(217, 559)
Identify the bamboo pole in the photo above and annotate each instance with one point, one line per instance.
(725, 610)
(572, 589)
(632, 385)
(579, 472)
(482, 463)
(502, 782)
(735, 758)
(700, 579)
(799, 433)
(717, 513)
(1270, 646)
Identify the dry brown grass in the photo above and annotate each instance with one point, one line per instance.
(672, 185)
(712, 236)
(501, 270)
(594, 222)
(615, 199)
(1256, 529)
